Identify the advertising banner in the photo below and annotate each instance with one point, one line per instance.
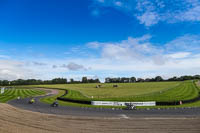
(113, 103)
(2, 90)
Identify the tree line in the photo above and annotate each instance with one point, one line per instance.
(156, 79)
(86, 80)
(40, 82)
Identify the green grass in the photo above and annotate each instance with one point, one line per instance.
(51, 99)
(184, 91)
(11, 94)
(183, 87)
(72, 94)
(194, 104)
(107, 91)
(154, 91)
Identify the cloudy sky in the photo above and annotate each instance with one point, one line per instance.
(45, 39)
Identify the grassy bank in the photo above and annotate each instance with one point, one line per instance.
(13, 93)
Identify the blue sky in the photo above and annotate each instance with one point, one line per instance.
(45, 39)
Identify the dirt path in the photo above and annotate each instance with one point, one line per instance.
(14, 120)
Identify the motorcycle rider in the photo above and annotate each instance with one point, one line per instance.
(55, 103)
(32, 100)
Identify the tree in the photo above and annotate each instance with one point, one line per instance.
(115, 80)
(59, 81)
(71, 80)
(148, 80)
(158, 78)
(140, 80)
(196, 77)
(97, 81)
(125, 80)
(173, 79)
(4, 82)
(133, 79)
(84, 80)
(107, 80)
(93, 81)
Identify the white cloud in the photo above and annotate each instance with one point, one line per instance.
(148, 18)
(4, 57)
(139, 55)
(118, 3)
(151, 12)
(54, 66)
(179, 55)
(117, 52)
(191, 13)
(184, 43)
(159, 59)
(93, 45)
(131, 57)
(39, 63)
(74, 67)
(10, 70)
(131, 49)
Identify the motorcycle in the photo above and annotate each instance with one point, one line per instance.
(54, 104)
(31, 101)
(130, 106)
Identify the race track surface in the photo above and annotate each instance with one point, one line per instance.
(40, 117)
(15, 120)
(99, 112)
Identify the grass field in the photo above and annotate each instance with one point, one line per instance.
(184, 91)
(153, 91)
(51, 99)
(107, 90)
(11, 94)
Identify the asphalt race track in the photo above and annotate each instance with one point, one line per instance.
(99, 112)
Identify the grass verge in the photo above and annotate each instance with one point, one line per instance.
(13, 93)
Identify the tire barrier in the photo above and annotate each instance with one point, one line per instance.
(192, 100)
(167, 103)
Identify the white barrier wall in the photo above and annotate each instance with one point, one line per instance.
(113, 103)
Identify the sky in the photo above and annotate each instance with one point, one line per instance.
(45, 39)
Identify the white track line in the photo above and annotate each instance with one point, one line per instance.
(123, 116)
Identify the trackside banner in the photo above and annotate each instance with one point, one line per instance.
(2, 90)
(113, 103)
